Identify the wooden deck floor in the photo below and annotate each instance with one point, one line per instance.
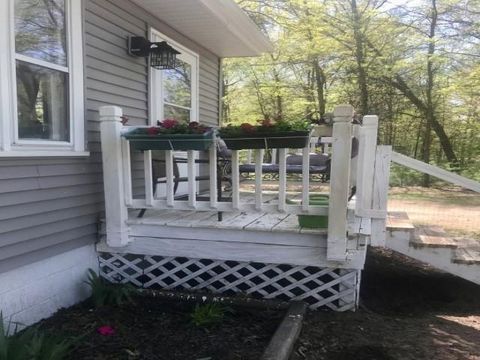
(261, 237)
(255, 221)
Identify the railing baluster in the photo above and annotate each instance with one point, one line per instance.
(249, 156)
(127, 172)
(147, 167)
(235, 180)
(192, 184)
(170, 176)
(258, 178)
(212, 160)
(274, 156)
(305, 178)
(282, 178)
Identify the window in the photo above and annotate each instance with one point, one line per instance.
(174, 92)
(43, 68)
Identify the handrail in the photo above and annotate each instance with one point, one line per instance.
(435, 171)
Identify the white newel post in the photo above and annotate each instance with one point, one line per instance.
(339, 183)
(380, 194)
(366, 165)
(116, 213)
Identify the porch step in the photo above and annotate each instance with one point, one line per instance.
(434, 237)
(432, 245)
(398, 220)
(467, 256)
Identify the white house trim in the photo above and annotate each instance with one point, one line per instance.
(220, 26)
(10, 144)
(156, 102)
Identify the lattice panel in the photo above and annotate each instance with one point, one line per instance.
(320, 287)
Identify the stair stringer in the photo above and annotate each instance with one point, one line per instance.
(438, 257)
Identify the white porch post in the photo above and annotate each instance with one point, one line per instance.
(339, 183)
(380, 194)
(366, 165)
(115, 209)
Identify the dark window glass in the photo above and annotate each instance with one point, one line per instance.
(42, 103)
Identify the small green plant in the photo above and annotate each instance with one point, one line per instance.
(205, 315)
(30, 344)
(105, 293)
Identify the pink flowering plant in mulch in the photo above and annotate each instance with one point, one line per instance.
(106, 330)
(173, 126)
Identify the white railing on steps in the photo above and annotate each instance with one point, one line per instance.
(344, 173)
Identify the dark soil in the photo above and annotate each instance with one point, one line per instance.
(156, 329)
(408, 311)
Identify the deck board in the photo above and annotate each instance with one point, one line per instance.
(253, 221)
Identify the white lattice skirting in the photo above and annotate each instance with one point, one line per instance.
(336, 289)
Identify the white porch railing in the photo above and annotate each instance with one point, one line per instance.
(344, 174)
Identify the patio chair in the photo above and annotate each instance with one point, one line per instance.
(159, 173)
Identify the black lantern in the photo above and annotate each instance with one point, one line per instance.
(162, 55)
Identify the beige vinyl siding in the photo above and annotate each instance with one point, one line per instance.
(52, 205)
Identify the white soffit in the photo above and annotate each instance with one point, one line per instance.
(220, 26)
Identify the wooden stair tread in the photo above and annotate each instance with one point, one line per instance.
(433, 236)
(434, 241)
(467, 256)
(398, 220)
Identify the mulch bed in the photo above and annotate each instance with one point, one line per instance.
(408, 311)
(156, 329)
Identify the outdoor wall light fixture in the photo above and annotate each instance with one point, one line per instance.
(162, 55)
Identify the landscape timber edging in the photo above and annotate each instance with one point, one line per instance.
(283, 341)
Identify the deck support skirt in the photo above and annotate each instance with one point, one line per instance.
(327, 288)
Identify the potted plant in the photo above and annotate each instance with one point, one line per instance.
(267, 134)
(171, 134)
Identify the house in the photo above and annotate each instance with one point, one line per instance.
(72, 186)
(60, 62)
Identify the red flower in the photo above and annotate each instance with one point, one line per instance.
(106, 330)
(152, 130)
(169, 123)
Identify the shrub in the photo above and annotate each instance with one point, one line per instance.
(208, 314)
(105, 293)
(30, 344)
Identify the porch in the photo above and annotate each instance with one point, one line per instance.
(258, 247)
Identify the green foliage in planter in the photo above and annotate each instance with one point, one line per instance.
(265, 127)
(105, 293)
(30, 344)
(205, 315)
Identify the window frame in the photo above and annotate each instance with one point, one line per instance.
(156, 107)
(10, 144)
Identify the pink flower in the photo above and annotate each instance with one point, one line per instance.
(169, 123)
(106, 330)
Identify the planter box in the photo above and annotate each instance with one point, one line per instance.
(142, 141)
(291, 139)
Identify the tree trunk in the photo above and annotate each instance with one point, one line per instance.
(430, 106)
(320, 83)
(360, 59)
